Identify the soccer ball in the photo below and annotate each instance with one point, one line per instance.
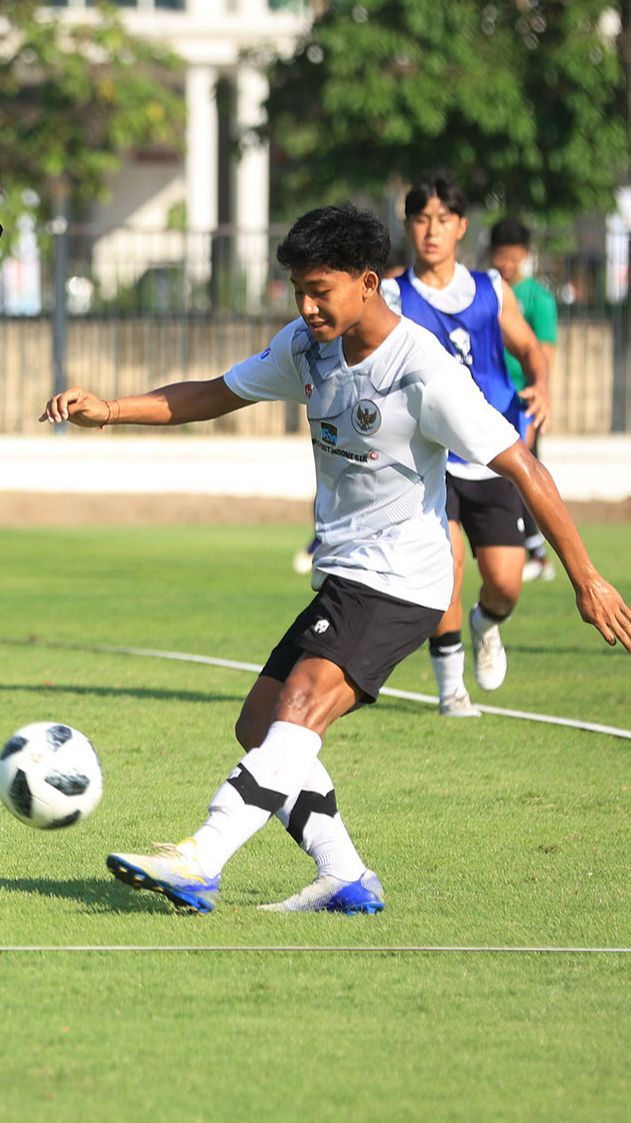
(50, 776)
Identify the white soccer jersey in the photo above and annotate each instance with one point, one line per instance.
(379, 432)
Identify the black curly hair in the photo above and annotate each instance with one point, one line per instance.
(342, 238)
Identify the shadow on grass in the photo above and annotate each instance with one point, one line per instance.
(93, 896)
(102, 896)
(142, 693)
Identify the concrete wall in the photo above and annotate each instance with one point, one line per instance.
(113, 462)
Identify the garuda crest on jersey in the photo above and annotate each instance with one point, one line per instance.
(366, 417)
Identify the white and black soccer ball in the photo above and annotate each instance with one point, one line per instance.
(50, 775)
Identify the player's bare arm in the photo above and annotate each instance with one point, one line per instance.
(176, 404)
(549, 350)
(599, 603)
(522, 342)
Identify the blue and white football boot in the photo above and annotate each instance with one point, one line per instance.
(329, 894)
(173, 871)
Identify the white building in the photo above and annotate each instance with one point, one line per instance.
(217, 189)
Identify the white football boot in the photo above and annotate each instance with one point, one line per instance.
(174, 871)
(490, 663)
(538, 569)
(458, 704)
(329, 894)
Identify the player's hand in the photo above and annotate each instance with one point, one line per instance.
(600, 604)
(538, 402)
(78, 406)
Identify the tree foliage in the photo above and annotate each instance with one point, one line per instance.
(74, 96)
(521, 100)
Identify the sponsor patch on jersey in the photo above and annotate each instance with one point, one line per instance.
(328, 432)
(366, 417)
(355, 457)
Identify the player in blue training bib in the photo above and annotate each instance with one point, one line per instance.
(474, 315)
(474, 337)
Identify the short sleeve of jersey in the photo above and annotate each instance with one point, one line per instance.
(543, 314)
(454, 412)
(270, 376)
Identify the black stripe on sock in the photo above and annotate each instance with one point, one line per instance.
(445, 644)
(492, 615)
(256, 796)
(306, 803)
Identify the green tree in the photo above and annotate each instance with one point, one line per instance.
(73, 98)
(519, 99)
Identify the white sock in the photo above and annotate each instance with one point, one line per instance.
(256, 789)
(449, 671)
(312, 819)
(536, 544)
(481, 623)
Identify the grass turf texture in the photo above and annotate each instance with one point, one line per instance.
(484, 832)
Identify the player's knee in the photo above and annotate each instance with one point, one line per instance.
(501, 584)
(509, 591)
(298, 703)
(311, 705)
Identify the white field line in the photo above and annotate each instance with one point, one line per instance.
(408, 695)
(308, 948)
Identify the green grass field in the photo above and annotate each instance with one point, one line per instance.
(490, 832)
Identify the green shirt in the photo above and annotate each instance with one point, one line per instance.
(539, 309)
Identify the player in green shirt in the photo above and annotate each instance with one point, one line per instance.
(510, 253)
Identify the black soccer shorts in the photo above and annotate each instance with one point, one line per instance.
(490, 511)
(364, 632)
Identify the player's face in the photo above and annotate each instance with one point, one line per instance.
(509, 262)
(435, 232)
(331, 301)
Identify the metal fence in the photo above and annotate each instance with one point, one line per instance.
(141, 309)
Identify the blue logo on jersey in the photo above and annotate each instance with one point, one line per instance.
(328, 432)
(265, 353)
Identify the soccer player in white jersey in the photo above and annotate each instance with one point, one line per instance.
(384, 401)
(472, 314)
